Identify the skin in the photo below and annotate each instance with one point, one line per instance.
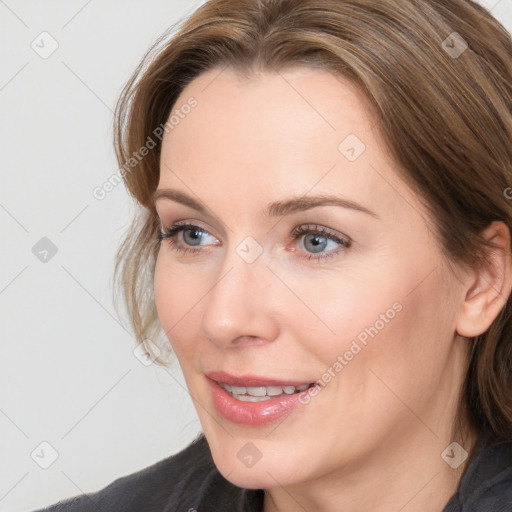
(375, 432)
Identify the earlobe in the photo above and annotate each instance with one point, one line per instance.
(488, 288)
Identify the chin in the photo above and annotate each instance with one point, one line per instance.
(242, 463)
(249, 479)
(258, 477)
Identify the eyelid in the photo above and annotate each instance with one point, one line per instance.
(316, 228)
(178, 227)
(187, 223)
(345, 242)
(167, 212)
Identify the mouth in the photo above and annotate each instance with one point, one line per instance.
(262, 393)
(255, 401)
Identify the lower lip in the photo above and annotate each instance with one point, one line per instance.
(253, 413)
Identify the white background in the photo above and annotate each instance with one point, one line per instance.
(68, 373)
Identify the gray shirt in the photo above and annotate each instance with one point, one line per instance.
(190, 482)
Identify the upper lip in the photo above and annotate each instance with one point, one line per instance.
(251, 380)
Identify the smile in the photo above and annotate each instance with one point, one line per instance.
(261, 393)
(253, 400)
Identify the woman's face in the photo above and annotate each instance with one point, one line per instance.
(354, 296)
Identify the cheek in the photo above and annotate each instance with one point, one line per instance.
(344, 307)
(381, 321)
(399, 346)
(364, 313)
(176, 293)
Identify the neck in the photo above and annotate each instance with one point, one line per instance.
(407, 474)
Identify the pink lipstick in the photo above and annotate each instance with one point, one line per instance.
(252, 400)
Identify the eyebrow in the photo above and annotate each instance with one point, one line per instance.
(276, 209)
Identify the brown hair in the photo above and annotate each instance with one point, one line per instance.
(446, 117)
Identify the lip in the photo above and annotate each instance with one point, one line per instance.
(252, 413)
(252, 380)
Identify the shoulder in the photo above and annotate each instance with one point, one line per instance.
(179, 482)
(487, 481)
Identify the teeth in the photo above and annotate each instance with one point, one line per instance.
(248, 398)
(260, 393)
(274, 390)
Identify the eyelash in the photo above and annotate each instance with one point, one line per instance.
(171, 234)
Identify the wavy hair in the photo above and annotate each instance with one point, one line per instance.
(438, 75)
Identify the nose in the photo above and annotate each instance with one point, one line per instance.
(242, 305)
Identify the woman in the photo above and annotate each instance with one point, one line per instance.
(324, 238)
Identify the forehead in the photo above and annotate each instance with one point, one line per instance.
(277, 134)
(295, 105)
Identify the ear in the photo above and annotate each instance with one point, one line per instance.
(489, 287)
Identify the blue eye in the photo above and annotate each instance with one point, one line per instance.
(315, 239)
(318, 238)
(195, 234)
